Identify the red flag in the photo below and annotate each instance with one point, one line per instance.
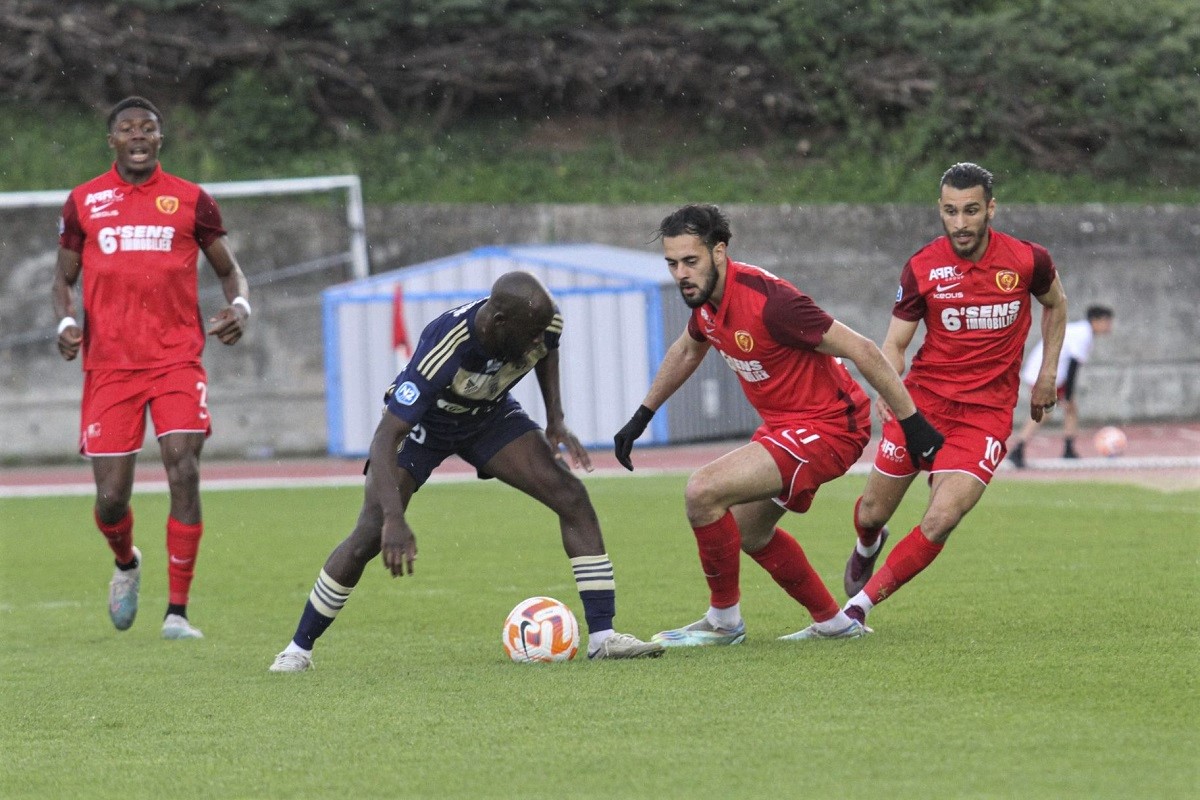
(399, 331)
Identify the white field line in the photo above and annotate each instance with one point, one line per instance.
(237, 484)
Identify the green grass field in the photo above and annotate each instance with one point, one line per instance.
(1052, 651)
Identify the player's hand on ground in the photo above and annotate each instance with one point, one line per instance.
(561, 438)
(1044, 397)
(228, 325)
(69, 341)
(623, 441)
(398, 546)
(921, 439)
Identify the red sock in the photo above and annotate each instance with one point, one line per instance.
(720, 555)
(119, 535)
(183, 542)
(784, 558)
(911, 554)
(868, 536)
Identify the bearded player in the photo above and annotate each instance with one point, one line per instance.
(972, 290)
(786, 353)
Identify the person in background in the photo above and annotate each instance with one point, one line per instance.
(1077, 348)
(135, 234)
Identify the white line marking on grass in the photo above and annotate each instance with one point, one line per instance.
(1120, 463)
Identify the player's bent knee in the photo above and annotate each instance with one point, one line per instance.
(937, 526)
(702, 496)
(110, 509)
(361, 546)
(569, 497)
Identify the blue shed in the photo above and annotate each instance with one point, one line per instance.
(621, 311)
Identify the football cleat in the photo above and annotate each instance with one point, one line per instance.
(701, 633)
(177, 627)
(123, 594)
(852, 631)
(292, 661)
(623, 645)
(860, 568)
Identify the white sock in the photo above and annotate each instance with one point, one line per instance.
(295, 648)
(725, 618)
(837, 622)
(867, 552)
(597, 638)
(862, 601)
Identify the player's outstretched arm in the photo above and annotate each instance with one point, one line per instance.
(66, 273)
(1054, 330)
(398, 544)
(922, 439)
(229, 323)
(556, 427)
(681, 360)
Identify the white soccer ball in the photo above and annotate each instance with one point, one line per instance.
(1110, 441)
(540, 629)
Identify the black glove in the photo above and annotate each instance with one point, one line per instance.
(922, 439)
(623, 441)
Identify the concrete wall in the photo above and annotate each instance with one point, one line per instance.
(267, 392)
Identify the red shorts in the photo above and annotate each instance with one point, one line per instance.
(113, 414)
(975, 438)
(809, 455)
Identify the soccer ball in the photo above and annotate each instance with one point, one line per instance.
(1110, 441)
(540, 629)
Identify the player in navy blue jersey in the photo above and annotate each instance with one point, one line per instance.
(453, 398)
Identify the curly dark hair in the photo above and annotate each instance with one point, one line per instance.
(699, 219)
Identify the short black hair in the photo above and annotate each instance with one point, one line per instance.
(134, 101)
(1099, 312)
(965, 175)
(699, 219)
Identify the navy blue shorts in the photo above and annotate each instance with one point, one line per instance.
(422, 451)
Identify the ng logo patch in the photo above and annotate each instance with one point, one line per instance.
(167, 204)
(407, 393)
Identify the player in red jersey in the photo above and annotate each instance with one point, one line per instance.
(972, 289)
(135, 234)
(816, 421)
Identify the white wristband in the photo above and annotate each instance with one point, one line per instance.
(66, 322)
(243, 302)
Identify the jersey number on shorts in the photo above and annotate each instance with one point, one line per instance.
(203, 390)
(992, 453)
(793, 436)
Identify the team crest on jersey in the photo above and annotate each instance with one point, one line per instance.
(167, 204)
(744, 340)
(1007, 280)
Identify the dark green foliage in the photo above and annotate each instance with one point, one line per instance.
(249, 116)
(1073, 86)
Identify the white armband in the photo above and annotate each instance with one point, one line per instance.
(243, 302)
(66, 322)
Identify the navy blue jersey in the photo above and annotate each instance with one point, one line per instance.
(451, 384)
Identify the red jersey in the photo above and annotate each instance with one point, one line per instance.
(766, 330)
(976, 315)
(139, 247)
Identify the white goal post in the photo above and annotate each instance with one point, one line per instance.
(351, 184)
